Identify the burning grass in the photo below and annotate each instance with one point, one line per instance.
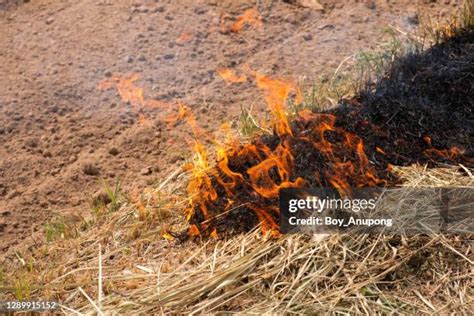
(420, 114)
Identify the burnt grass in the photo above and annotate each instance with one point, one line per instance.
(424, 94)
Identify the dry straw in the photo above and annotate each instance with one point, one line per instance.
(251, 273)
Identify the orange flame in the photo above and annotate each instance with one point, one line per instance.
(280, 160)
(223, 165)
(185, 114)
(450, 153)
(427, 140)
(276, 94)
(213, 234)
(126, 87)
(229, 76)
(132, 94)
(341, 171)
(194, 231)
(267, 223)
(200, 187)
(166, 235)
(321, 123)
(250, 17)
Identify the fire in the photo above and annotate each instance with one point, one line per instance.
(184, 114)
(250, 17)
(341, 171)
(200, 188)
(273, 167)
(427, 140)
(133, 95)
(449, 154)
(271, 171)
(126, 87)
(281, 160)
(276, 94)
(234, 177)
(380, 150)
(181, 115)
(248, 176)
(194, 231)
(267, 223)
(213, 234)
(269, 168)
(230, 77)
(166, 235)
(319, 125)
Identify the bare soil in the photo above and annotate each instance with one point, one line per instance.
(60, 135)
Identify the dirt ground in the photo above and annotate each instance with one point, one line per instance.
(60, 135)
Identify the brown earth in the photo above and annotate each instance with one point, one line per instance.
(60, 136)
